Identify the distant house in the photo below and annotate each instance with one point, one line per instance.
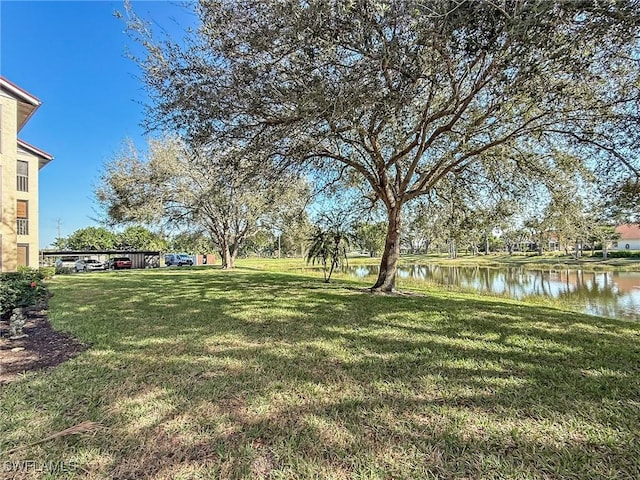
(554, 242)
(629, 237)
(19, 166)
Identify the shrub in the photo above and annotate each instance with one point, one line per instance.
(624, 254)
(63, 270)
(48, 272)
(24, 288)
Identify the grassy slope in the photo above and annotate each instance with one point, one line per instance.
(255, 374)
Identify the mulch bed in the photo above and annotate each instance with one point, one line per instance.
(43, 348)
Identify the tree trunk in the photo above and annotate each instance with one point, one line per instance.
(453, 250)
(604, 250)
(389, 263)
(235, 249)
(227, 260)
(327, 278)
(225, 255)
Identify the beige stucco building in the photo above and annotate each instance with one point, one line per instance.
(20, 163)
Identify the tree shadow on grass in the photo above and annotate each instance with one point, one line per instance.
(489, 331)
(346, 411)
(245, 375)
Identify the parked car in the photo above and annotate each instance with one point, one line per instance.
(89, 264)
(178, 259)
(118, 263)
(66, 262)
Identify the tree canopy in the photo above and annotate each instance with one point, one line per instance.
(197, 190)
(91, 238)
(134, 237)
(407, 94)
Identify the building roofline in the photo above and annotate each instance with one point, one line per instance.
(628, 231)
(44, 156)
(20, 92)
(31, 102)
(35, 150)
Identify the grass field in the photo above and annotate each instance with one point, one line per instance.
(256, 373)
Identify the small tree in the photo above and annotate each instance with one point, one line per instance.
(425, 225)
(605, 235)
(600, 224)
(195, 241)
(295, 235)
(89, 238)
(329, 246)
(138, 237)
(370, 236)
(61, 243)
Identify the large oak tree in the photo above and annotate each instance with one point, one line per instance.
(406, 94)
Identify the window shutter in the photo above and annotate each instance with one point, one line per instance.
(21, 210)
(23, 255)
(23, 168)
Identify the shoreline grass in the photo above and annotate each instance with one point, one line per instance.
(530, 261)
(258, 373)
(527, 261)
(409, 284)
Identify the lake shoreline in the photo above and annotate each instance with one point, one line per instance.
(523, 260)
(611, 293)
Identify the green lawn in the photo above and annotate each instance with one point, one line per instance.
(201, 373)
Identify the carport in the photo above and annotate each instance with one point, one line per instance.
(139, 258)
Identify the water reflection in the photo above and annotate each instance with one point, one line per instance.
(610, 294)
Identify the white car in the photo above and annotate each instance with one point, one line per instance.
(66, 262)
(89, 265)
(178, 259)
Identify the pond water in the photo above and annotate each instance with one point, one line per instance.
(609, 294)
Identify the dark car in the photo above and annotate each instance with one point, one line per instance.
(118, 263)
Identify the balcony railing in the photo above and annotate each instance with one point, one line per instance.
(23, 183)
(23, 226)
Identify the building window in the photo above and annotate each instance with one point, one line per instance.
(23, 254)
(22, 217)
(627, 246)
(22, 170)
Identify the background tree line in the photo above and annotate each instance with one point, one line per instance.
(436, 225)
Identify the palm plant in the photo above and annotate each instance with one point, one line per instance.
(329, 248)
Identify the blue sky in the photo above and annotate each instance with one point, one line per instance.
(73, 56)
